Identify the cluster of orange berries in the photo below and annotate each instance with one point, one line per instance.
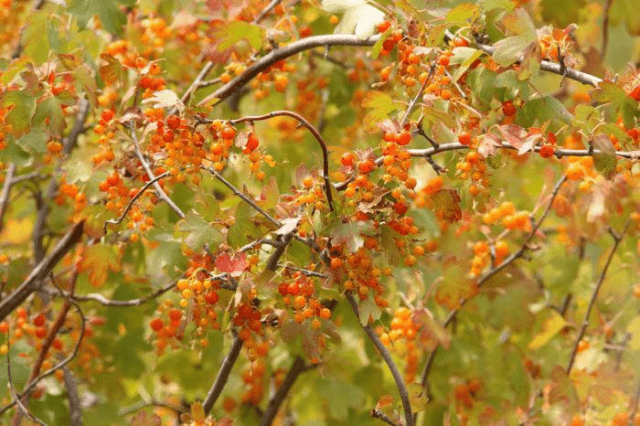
(275, 74)
(256, 156)
(70, 191)
(167, 330)
(223, 137)
(248, 319)
(482, 256)
(254, 376)
(310, 194)
(465, 394)
(10, 11)
(299, 296)
(472, 167)
(402, 338)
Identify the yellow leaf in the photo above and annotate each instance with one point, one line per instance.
(552, 326)
(98, 260)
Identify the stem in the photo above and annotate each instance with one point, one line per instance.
(592, 302)
(402, 388)
(316, 134)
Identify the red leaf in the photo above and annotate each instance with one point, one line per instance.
(233, 266)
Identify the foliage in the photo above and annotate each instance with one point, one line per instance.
(231, 212)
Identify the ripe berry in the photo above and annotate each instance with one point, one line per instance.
(508, 108)
(546, 151)
(156, 324)
(464, 138)
(173, 121)
(347, 159)
(403, 138)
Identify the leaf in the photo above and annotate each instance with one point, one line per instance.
(431, 333)
(49, 113)
(98, 260)
(113, 71)
(200, 232)
(605, 160)
(511, 49)
(462, 13)
(465, 56)
(234, 31)
(233, 266)
(288, 225)
(380, 104)
(626, 10)
(447, 205)
(165, 99)
(34, 37)
(111, 16)
(633, 328)
(452, 285)
(243, 229)
(377, 47)
(563, 13)
(552, 325)
(24, 107)
(349, 234)
(369, 311)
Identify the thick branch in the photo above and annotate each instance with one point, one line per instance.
(594, 296)
(402, 388)
(279, 54)
(223, 375)
(275, 403)
(314, 132)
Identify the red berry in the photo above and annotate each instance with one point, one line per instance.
(508, 108)
(546, 151)
(464, 138)
(156, 324)
(403, 138)
(173, 121)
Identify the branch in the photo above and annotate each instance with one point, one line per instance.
(316, 134)
(75, 408)
(275, 402)
(4, 195)
(493, 271)
(163, 196)
(38, 273)
(59, 365)
(95, 297)
(153, 403)
(266, 11)
(592, 302)
(133, 200)
(279, 54)
(22, 410)
(605, 29)
(402, 389)
(223, 375)
(241, 195)
(377, 414)
(634, 407)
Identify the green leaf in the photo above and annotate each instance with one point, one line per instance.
(626, 10)
(606, 160)
(242, 230)
(200, 232)
(24, 107)
(48, 112)
(563, 13)
(34, 37)
(510, 49)
(542, 110)
(488, 5)
(35, 140)
(369, 310)
(234, 31)
(340, 395)
(465, 56)
(111, 16)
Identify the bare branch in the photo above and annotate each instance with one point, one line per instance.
(605, 29)
(594, 295)
(279, 54)
(314, 132)
(277, 400)
(95, 297)
(241, 195)
(223, 375)
(402, 388)
(266, 10)
(163, 196)
(152, 403)
(75, 410)
(377, 414)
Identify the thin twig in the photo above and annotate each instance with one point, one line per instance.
(197, 83)
(275, 402)
(4, 195)
(306, 272)
(314, 132)
(402, 388)
(163, 196)
(266, 11)
(282, 53)
(95, 297)
(153, 403)
(594, 295)
(377, 414)
(241, 195)
(132, 201)
(418, 95)
(22, 410)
